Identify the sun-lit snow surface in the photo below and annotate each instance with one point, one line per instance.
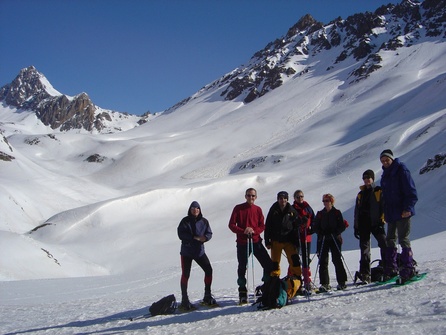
(103, 305)
(117, 219)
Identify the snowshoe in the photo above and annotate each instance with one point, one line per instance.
(341, 287)
(362, 278)
(243, 301)
(209, 300)
(324, 288)
(243, 297)
(403, 280)
(186, 306)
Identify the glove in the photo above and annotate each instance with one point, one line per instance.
(304, 220)
(356, 233)
(339, 239)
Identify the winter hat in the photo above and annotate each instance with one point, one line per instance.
(282, 194)
(387, 153)
(195, 204)
(369, 173)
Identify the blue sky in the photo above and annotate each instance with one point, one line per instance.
(146, 55)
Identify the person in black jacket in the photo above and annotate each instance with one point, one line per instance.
(281, 233)
(369, 219)
(328, 225)
(193, 231)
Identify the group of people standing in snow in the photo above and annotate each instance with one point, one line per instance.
(289, 227)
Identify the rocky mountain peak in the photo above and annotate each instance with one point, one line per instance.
(360, 38)
(30, 90)
(26, 90)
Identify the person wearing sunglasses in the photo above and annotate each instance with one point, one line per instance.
(306, 214)
(247, 222)
(369, 219)
(329, 225)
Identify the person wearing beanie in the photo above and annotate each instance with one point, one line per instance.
(369, 219)
(194, 230)
(247, 222)
(281, 234)
(399, 199)
(387, 153)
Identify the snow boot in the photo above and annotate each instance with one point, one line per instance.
(306, 272)
(362, 278)
(391, 269)
(186, 306)
(243, 295)
(209, 300)
(408, 269)
(324, 288)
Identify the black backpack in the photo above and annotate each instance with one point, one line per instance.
(377, 272)
(166, 305)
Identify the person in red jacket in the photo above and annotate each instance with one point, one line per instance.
(306, 214)
(247, 222)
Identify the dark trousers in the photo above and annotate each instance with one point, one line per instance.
(305, 248)
(260, 254)
(364, 246)
(328, 244)
(186, 265)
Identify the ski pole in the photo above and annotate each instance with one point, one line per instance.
(334, 240)
(140, 317)
(252, 262)
(247, 268)
(319, 257)
(304, 275)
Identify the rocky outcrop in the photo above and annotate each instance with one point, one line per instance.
(26, 91)
(30, 90)
(358, 38)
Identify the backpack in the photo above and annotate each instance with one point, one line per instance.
(292, 285)
(166, 305)
(377, 272)
(273, 294)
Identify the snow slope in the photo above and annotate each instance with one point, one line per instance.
(86, 245)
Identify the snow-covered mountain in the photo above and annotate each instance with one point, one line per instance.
(31, 94)
(107, 205)
(317, 131)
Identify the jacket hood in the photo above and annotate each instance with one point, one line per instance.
(194, 204)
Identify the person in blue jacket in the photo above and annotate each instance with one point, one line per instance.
(194, 230)
(399, 199)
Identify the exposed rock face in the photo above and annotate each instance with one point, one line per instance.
(26, 90)
(359, 37)
(434, 163)
(30, 90)
(78, 113)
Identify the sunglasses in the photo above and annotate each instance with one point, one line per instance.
(326, 200)
(251, 195)
(299, 196)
